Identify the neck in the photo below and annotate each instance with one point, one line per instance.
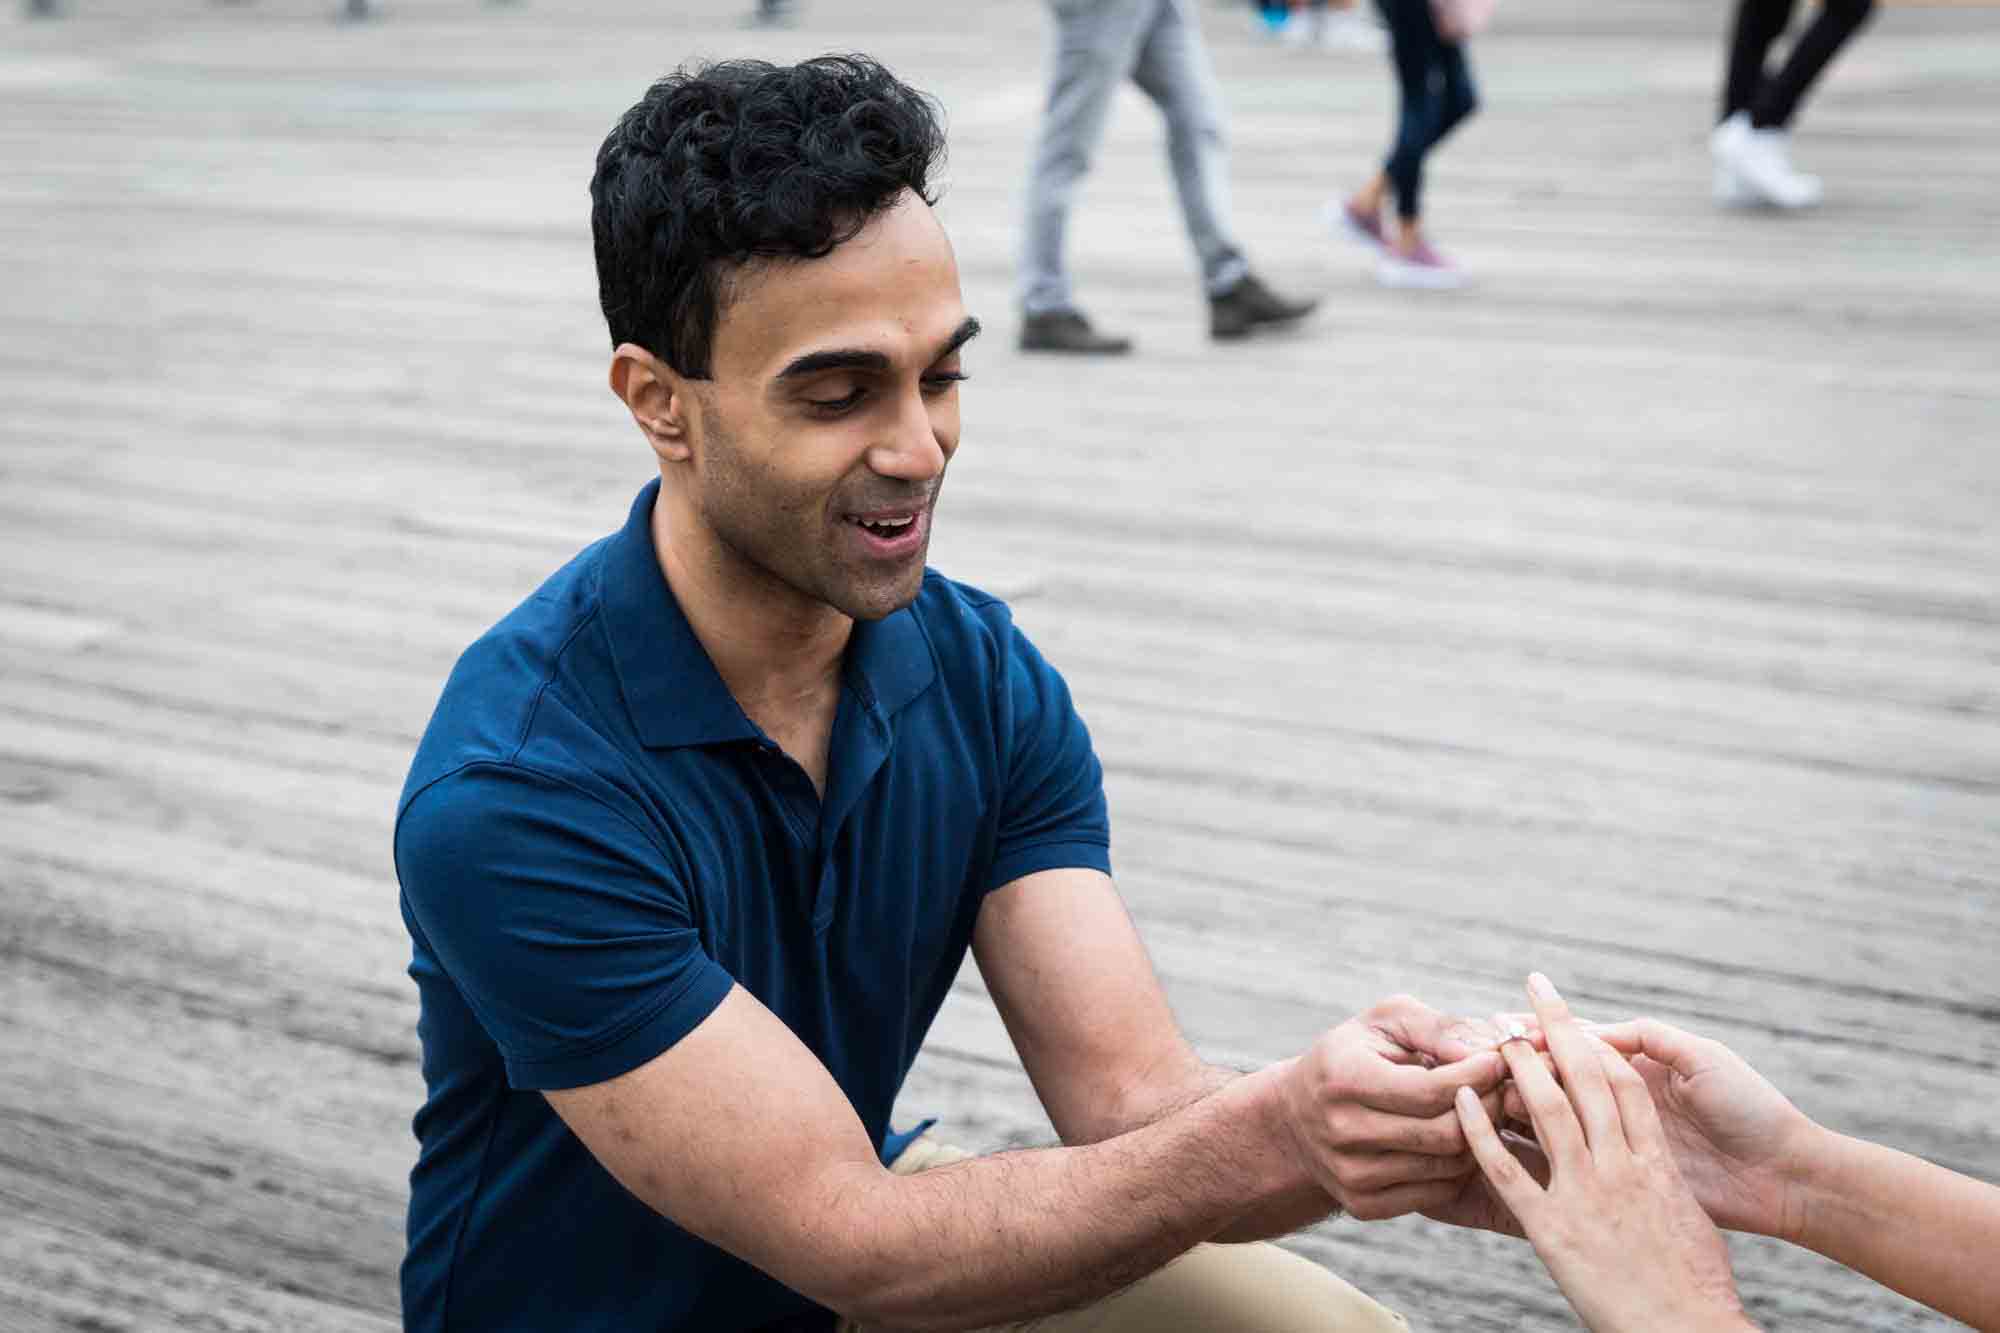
(776, 649)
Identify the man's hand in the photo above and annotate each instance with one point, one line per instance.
(1369, 1107)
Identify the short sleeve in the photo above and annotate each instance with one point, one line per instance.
(1052, 811)
(566, 928)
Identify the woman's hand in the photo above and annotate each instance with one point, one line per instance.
(1738, 1142)
(1617, 1227)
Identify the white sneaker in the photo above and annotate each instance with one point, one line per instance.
(1732, 192)
(1799, 189)
(1761, 162)
(1348, 30)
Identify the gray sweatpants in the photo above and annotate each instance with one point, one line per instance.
(1098, 45)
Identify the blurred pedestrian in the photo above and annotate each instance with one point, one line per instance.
(772, 14)
(1752, 144)
(1435, 94)
(1332, 25)
(1097, 45)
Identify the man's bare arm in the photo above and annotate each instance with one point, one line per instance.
(740, 1136)
(1086, 1012)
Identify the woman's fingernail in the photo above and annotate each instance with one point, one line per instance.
(1465, 1096)
(1541, 988)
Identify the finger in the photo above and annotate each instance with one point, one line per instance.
(1505, 1175)
(1371, 1173)
(1641, 1119)
(1413, 1090)
(1528, 1153)
(1511, 1106)
(1462, 1037)
(1682, 1052)
(1397, 1200)
(1363, 1129)
(1415, 1026)
(1576, 1060)
(1549, 1111)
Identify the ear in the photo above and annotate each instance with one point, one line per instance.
(657, 396)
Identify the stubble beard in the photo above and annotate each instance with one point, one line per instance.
(782, 536)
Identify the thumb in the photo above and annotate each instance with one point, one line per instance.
(1442, 1038)
(1664, 1043)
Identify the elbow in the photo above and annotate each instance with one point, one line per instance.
(912, 1294)
(859, 1269)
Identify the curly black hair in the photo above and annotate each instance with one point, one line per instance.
(723, 163)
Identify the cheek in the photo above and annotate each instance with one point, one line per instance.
(944, 425)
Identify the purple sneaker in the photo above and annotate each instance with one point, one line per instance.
(1421, 267)
(1363, 227)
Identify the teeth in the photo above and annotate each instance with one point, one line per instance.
(884, 524)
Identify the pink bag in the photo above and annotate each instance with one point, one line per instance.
(1459, 19)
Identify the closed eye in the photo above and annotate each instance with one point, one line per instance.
(944, 380)
(835, 406)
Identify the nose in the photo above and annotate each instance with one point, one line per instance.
(917, 442)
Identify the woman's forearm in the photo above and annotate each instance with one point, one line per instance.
(1932, 1234)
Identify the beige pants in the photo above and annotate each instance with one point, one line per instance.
(1210, 1289)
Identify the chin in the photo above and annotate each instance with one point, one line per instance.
(883, 599)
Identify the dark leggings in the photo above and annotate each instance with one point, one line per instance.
(1437, 93)
(1772, 100)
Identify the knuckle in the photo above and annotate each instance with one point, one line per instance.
(1366, 1209)
(1432, 1137)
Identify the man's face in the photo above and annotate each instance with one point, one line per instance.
(820, 440)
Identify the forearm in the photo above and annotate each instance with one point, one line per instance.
(1927, 1232)
(1300, 1207)
(1018, 1235)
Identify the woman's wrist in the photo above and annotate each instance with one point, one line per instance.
(1809, 1183)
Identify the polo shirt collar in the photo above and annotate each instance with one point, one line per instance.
(672, 689)
(889, 661)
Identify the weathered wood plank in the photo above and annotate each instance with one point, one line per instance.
(1634, 615)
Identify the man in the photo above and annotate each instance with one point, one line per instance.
(701, 832)
(1157, 44)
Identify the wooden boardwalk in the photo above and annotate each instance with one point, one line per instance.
(1634, 616)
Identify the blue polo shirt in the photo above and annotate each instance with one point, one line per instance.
(595, 843)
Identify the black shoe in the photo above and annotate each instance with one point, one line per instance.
(1250, 305)
(1068, 331)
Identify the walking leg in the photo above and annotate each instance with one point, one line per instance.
(1779, 100)
(1173, 69)
(1092, 51)
(1758, 24)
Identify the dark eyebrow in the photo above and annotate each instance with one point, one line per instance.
(834, 358)
(861, 358)
(965, 333)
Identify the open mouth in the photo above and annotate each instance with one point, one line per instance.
(891, 536)
(887, 528)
